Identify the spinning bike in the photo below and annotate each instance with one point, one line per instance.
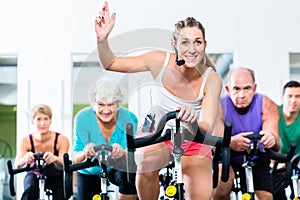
(40, 166)
(175, 189)
(102, 160)
(239, 191)
(295, 177)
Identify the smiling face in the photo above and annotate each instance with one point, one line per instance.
(191, 45)
(106, 112)
(291, 99)
(241, 88)
(189, 41)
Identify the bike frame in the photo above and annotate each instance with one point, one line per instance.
(249, 180)
(295, 163)
(165, 178)
(102, 160)
(42, 179)
(295, 184)
(177, 170)
(160, 136)
(248, 165)
(236, 192)
(40, 166)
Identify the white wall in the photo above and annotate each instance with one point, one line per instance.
(260, 33)
(44, 34)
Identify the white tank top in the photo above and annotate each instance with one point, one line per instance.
(169, 102)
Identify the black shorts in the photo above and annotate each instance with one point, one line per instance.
(89, 185)
(262, 178)
(119, 178)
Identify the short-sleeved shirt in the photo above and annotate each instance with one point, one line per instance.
(289, 133)
(249, 122)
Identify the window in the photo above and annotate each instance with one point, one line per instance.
(294, 66)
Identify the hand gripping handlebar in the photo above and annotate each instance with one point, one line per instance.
(40, 166)
(222, 143)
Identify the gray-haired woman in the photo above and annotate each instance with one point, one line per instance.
(103, 122)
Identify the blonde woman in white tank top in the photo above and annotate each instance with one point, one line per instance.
(190, 87)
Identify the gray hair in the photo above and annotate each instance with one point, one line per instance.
(106, 90)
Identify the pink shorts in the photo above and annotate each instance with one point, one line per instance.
(193, 148)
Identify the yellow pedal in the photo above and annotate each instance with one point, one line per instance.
(246, 196)
(96, 197)
(171, 191)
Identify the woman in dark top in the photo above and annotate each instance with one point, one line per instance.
(53, 146)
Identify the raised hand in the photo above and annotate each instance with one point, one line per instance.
(104, 23)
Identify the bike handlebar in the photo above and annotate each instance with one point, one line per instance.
(103, 147)
(225, 152)
(254, 136)
(280, 156)
(69, 167)
(199, 137)
(283, 158)
(68, 172)
(159, 136)
(295, 161)
(269, 153)
(40, 167)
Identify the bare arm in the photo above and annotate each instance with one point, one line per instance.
(104, 24)
(21, 159)
(210, 115)
(270, 119)
(63, 147)
(219, 124)
(150, 61)
(79, 156)
(87, 152)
